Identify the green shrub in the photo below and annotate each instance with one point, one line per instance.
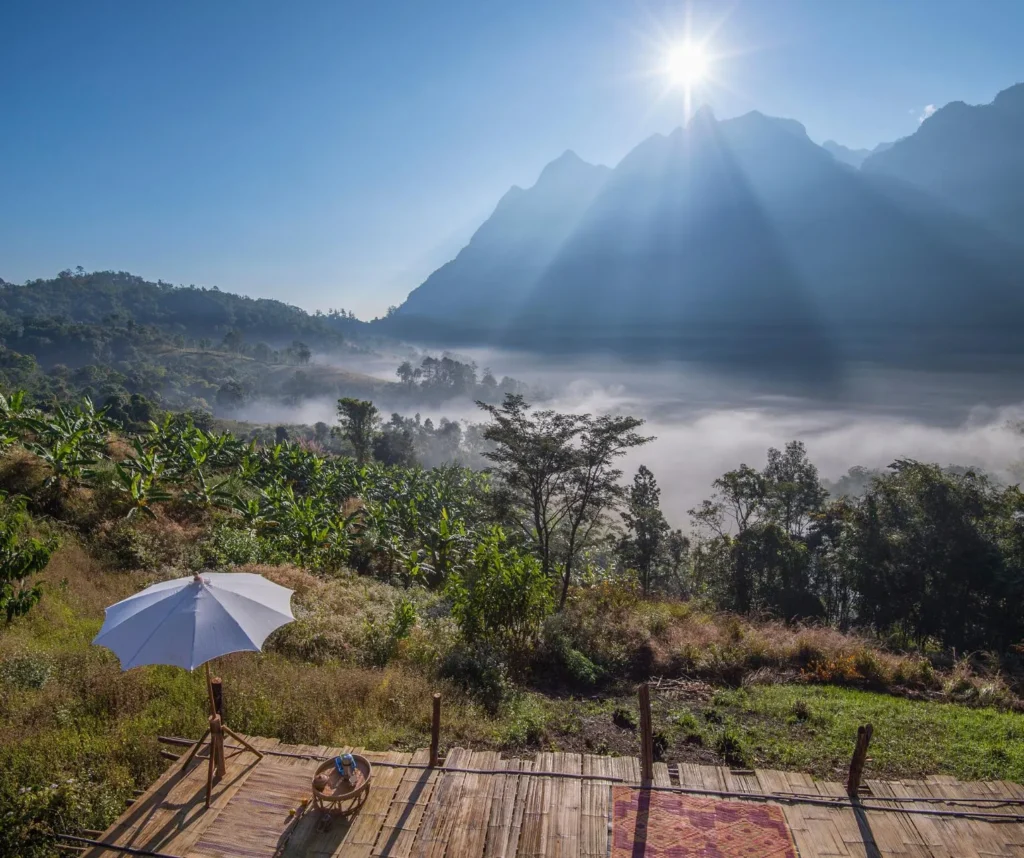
(659, 743)
(560, 658)
(624, 718)
(713, 716)
(524, 724)
(26, 672)
(481, 672)
(127, 547)
(502, 599)
(730, 747)
(234, 546)
(580, 668)
(381, 639)
(686, 726)
(872, 668)
(21, 558)
(29, 815)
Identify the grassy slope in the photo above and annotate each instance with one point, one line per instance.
(812, 728)
(66, 706)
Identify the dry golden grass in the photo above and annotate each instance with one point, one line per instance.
(21, 472)
(622, 633)
(330, 701)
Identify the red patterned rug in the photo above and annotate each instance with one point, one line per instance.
(648, 824)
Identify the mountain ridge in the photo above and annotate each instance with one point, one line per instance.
(969, 157)
(718, 235)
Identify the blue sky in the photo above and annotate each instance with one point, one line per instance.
(331, 154)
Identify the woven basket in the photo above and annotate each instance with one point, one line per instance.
(338, 795)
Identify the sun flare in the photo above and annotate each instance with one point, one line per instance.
(687, 64)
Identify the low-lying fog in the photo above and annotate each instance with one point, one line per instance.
(706, 424)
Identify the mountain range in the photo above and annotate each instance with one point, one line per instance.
(743, 240)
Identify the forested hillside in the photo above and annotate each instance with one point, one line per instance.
(97, 297)
(137, 345)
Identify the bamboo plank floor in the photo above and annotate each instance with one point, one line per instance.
(478, 805)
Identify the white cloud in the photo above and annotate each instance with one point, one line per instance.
(929, 109)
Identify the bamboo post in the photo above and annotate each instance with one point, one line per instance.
(435, 730)
(646, 735)
(209, 774)
(241, 740)
(860, 755)
(218, 696)
(217, 744)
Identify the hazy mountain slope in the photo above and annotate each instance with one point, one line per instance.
(512, 248)
(969, 156)
(735, 240)
(853, 157)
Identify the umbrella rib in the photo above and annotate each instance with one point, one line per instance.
(236, 595)
(192, 651)
(230, 616)
(156, 628)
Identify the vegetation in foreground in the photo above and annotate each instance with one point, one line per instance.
(78, 735)
(533, 596)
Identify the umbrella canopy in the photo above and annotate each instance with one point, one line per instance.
(188, 621)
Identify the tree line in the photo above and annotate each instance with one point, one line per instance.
(925, 556)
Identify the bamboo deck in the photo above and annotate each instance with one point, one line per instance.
(498, 809)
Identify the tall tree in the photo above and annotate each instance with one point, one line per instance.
(644, 544)
(793, 492)
(406, 374)
(927, 559)
(560, 470)
(759, 523)
(359, 420)
(533, 458)
(594, 485)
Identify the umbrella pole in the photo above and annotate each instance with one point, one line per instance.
(209, 690)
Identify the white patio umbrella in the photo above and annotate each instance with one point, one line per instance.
(188, 621)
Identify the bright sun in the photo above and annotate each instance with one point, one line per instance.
(687, 64)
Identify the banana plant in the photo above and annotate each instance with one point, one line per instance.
(203, 493)
(139, 477)
(311, 532)
(70, 442)
(445, 547)
(14, 412)
(21, 558)
(255, 512)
